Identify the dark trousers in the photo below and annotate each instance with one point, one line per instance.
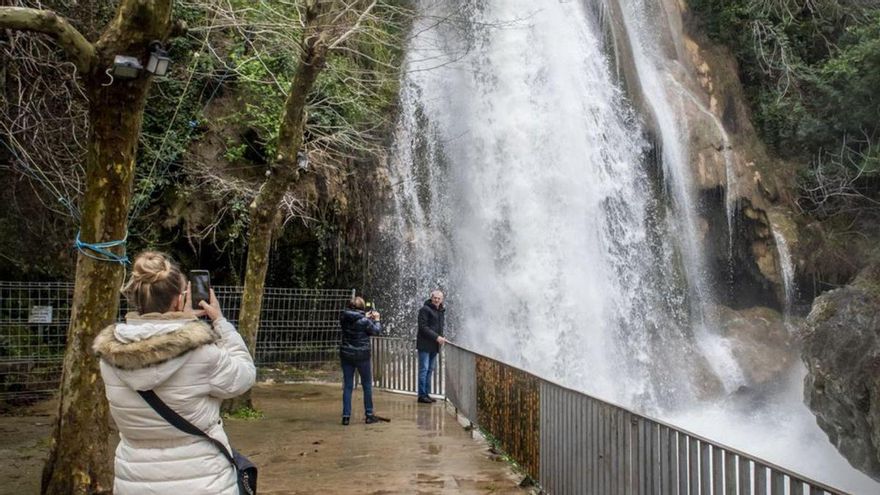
(364, 369)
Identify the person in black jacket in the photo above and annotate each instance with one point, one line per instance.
(354, 352)
(428, 341)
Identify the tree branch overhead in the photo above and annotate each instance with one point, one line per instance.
(79, 50)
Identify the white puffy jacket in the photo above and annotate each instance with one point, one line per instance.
(192, 367)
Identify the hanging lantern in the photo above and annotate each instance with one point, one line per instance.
(159, 60)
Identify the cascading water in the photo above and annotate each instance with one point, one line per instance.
(556, 242)
(787, 268)
(730, 185)
(526, 185)
(663, 97)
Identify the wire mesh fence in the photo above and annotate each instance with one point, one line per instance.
(298, 327)
(33, 331)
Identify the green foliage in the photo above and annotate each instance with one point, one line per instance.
(848, 82)
(352, 95)
(219, 109)
(245, 413)
(173, 111)
(260, 96)
(495, 446)
(225, 93)
(351, 103)
(24, 341)
(811, 69)
(812, 73)
(171, 124)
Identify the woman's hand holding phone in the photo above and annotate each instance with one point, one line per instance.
(200, 281)
(187, 302)
(212, 310)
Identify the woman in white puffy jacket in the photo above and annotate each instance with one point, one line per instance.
(191, 366)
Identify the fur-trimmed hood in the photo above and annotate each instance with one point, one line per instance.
(159, 339)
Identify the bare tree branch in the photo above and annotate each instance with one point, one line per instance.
(78, 48)
(355, 27)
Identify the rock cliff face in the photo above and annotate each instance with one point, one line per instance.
(842, 353)
(743, 203)
(741, 190)
(841, 337)
(738, 178)
(728, 157)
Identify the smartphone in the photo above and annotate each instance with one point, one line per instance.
(200, 285)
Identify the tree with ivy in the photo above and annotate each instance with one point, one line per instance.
(326, 26)
(79, 455)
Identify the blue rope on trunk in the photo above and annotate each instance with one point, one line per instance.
(99, 250)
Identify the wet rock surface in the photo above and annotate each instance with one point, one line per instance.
(842, 353)
(759, 342)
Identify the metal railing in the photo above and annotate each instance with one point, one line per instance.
(573, 443)
(396, 365)
(297, 327)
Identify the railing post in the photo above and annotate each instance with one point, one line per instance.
(717, 471)
(745, 476)
(682, 463)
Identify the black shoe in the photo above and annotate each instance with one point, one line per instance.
(432, 399)
(425, 400)
(370, 419)
(345, 420)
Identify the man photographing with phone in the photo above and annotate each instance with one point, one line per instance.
(428, 341)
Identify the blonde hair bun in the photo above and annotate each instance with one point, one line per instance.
(151, 267)
(154, 284)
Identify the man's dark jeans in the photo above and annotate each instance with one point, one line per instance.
(364, 369)
(426, 367)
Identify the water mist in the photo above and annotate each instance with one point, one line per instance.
(563, 227)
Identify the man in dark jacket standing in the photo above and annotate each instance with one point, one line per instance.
(428, 341)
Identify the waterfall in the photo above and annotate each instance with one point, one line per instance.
(787, 268)
(521, 179)
(663, 97)
(731, 190)
(559, 218)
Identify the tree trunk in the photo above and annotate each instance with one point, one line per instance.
(263, 220)
(283, 173)
(79, 461)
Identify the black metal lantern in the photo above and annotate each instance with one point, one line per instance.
(159, 60)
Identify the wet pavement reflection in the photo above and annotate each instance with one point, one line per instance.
(301, 447)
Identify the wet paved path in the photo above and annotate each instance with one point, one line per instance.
(301, 447)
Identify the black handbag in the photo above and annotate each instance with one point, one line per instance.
(245, 470)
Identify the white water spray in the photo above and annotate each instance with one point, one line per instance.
(525, 186)
(787, 267)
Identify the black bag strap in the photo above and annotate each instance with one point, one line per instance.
(180, 423)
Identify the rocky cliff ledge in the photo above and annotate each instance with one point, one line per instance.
(842, 353)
